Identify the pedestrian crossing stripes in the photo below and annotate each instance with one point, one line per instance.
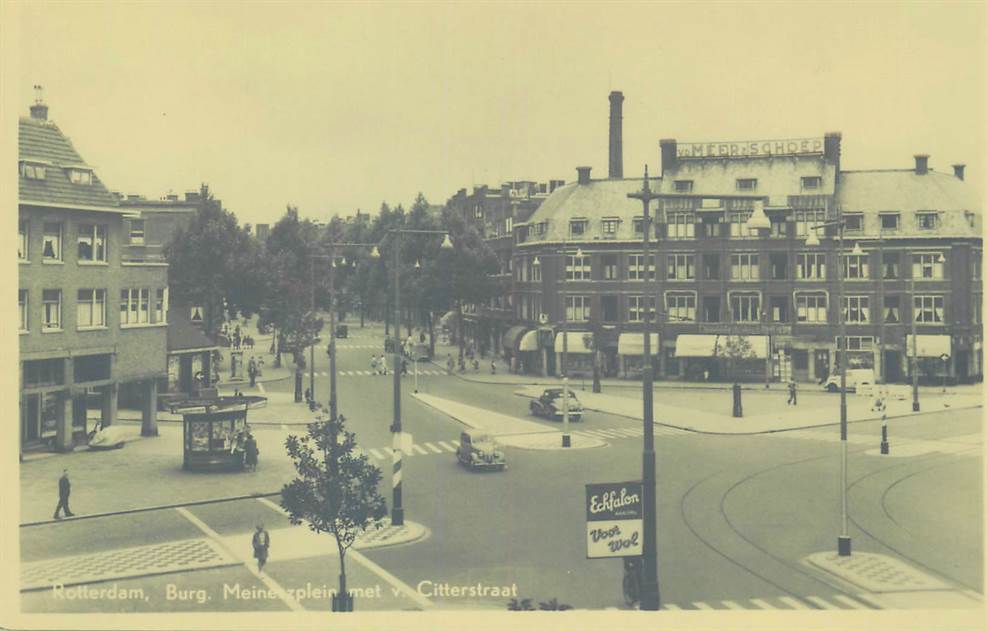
(626, 432)
(428, 372)
(834, 602)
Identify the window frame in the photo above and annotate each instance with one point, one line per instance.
(637, 304)
(609, 227)
(748, 302)
(45, 320)
(96, 304)
(806, 180)
(857, 309)
(680, 225)
(857, 218)
(23, 240)
(936, 304)
(882, 216)
(578, 270)
(573, 223)
(752, 265)
(818, 266)
(922, 215)
(641, 268)
(675, 311)
(94, 243)
(928, 261)
(24, 308)
(808, 307)
(80, 177)
(859, 263)
(746, 184)
(58, 243)
(570, 305)
(680, 261)
(682, 186)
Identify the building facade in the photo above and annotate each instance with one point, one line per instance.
(740, 303)
(91, 322)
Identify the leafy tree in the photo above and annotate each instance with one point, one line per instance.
(736, 347)
(336, 489)
(213, 261)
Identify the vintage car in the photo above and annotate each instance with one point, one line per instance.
(479, 450)
(550, 405)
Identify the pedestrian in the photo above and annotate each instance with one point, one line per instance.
(252, 371)
(792, 392)
(261, 542)
(308, 395)
(462, 365)
(374, 369)
(493, 367)
(404, 367)
(476, 365)
(706, 374)
(250, 452)
(449, 364)
(64, 489)
(421, 337)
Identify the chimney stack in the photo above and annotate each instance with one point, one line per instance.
(39, 111)
(959, 171)
(583, 175)
(615, 164)
(922, 163)
(667, 151)
(192, 196)
(831, 153)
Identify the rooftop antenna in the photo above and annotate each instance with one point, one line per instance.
(39, 94)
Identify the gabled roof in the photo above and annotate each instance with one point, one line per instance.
(42, 141)
(185, 336)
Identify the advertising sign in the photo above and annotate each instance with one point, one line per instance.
(614, 520)
(750, 149)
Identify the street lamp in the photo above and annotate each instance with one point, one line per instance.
(397, 510)
(844, 540)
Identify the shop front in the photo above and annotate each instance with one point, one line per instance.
(631, 353)
(579, 353)
(724, 357)
(510, 342)
(529, 353)
(214, 431)
(934, 359)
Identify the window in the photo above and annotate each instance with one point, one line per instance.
(928, 266)
(746, 184)
(811, 307)
(969, 218)
(857, 342)
(853, 222)
(636, 308)
(811, 182)
(855, 266)
(710, 228)
(777, 228)
(739, 228)
(23, 308)
(683, 186)
(856, 309)
(811, 266)
(539, 228)
(891, 310)
(711, 308)
(23, 239)
(577, 268)
(681, 307)
(51, 310)
(610, 267)
(509, 224)
(577, 308)
(976, 308)
(80, 176)
(807, 218)
(890, 265)
(92, 242)
(91, 308)
(745, 307)
(134, 306)
(928, 309)
(711, 266)
(609, 308)
(976, 264)
(137, 231)
(890, 221)
(33, 171)
(161, 305)
(778, 263)
(680, 225)
(744, 267)
(926, 220)
(577, 227)
(536, 274)
(609, 226)
(778, 309)
(636, 267)
(680, 267)
(51, 249)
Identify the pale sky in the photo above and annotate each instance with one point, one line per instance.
(335, 107)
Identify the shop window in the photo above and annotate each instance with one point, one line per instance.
(44, 372)
(91, 368)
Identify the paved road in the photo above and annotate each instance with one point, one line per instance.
(738, 515)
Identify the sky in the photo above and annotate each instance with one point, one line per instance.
(336, 106)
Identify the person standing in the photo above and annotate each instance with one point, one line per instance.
(261, 542)
(64, 489)
(792, 392)
(252, 371)
(250, 453)
(449, 364)
(374, 369)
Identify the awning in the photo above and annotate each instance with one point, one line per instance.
(576, 342)
(634, 343)
(742, 346)
(529, 341)
(928, 345)
(447, 319)
(691, 345)
(510, 338)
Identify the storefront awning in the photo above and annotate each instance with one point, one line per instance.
(691, 345)
(576, 342)
(634, 343)
(510, 338)
(928, 345)
(529, 342)
(742, 346)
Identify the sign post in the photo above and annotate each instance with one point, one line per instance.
(614, 520)
(944, 358)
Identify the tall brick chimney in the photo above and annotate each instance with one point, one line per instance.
(922, 163)
(958, 171)
(667, 151)
(615, 164)
(39, 111)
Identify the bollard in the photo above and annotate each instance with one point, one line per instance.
(885, 436)
(736, 412)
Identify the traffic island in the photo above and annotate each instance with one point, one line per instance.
(549, 441)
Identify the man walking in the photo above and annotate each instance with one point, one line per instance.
(252, 371)
(261, 541)
(64, 489)
(792, 392)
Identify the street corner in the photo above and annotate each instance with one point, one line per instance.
(550, 441)
(876, 573)
(390, 535)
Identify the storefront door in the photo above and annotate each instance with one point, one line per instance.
(31, 418)
(821, 364)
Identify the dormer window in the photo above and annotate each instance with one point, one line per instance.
(853, 222)
(609, 226)
(926, 220)
(81, 176)
(811, 182)
(684, 186)
(577, 227)
(32, 171)
(747, 184)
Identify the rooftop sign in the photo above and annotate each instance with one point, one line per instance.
(750, 148)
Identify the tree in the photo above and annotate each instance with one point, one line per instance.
(335, 491)
(736, 347)
(211, 262)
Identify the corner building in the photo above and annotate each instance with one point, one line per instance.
(736, 303)
(91, 322)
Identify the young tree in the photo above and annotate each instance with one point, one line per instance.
(736, 347)
(335, 490)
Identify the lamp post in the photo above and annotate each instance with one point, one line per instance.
(912, 359)
(397, 510)
(844, 539)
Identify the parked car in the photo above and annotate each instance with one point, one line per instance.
(479, 450)
(856, 377)
(550, 405)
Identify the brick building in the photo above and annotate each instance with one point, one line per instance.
(91, 322)
(753, 304)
